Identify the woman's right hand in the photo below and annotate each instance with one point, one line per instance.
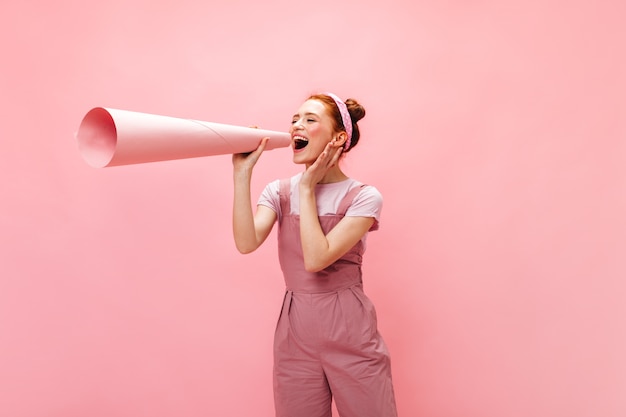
(244, 162)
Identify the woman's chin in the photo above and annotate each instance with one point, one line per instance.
(298, 157)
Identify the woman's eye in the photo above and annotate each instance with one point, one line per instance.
(310, 120)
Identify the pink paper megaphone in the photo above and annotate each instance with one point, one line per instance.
(109, 137)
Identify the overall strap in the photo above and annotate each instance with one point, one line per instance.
(284, 191)
(346, 202)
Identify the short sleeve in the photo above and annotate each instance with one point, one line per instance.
(367, 203)
(270, 197)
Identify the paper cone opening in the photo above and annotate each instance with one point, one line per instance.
(97, 137)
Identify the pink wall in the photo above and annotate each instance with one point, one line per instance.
(495, 130)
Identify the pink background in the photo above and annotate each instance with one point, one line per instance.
(495, 130)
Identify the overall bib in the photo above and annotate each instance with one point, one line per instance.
(326, 342)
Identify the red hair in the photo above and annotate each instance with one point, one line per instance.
(357, 112)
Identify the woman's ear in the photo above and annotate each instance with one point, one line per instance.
(340, 139)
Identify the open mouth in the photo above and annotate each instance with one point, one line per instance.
(300, 142)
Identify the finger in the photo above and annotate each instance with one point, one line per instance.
(331, 153)
(326, 152)
(263, 143)
(257, 152)
(336, 156)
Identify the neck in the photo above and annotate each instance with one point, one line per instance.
(334, 174)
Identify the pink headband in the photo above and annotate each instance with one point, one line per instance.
(345, 117)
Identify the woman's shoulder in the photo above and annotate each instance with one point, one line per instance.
(367, 190)
(370, 194)
(368, 202)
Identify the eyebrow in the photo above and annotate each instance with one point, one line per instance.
(306, 114)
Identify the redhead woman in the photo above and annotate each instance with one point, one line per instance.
(327, 343)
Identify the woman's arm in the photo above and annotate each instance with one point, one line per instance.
(322, 250)
(249, 229)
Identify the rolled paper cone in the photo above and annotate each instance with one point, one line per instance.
(109, 137)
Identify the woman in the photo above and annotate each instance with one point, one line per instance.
(326, 343)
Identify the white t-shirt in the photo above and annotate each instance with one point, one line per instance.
(367, 203)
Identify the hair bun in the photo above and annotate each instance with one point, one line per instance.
(357, 112)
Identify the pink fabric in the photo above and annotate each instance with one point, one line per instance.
(367, 203)
(345, 117)
(327, 343)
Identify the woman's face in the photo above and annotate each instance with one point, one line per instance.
(311, 130)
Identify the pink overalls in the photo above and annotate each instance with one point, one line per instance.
(326, 342)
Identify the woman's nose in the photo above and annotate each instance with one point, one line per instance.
(296, 125)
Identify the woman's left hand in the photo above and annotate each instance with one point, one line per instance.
(324, 162)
